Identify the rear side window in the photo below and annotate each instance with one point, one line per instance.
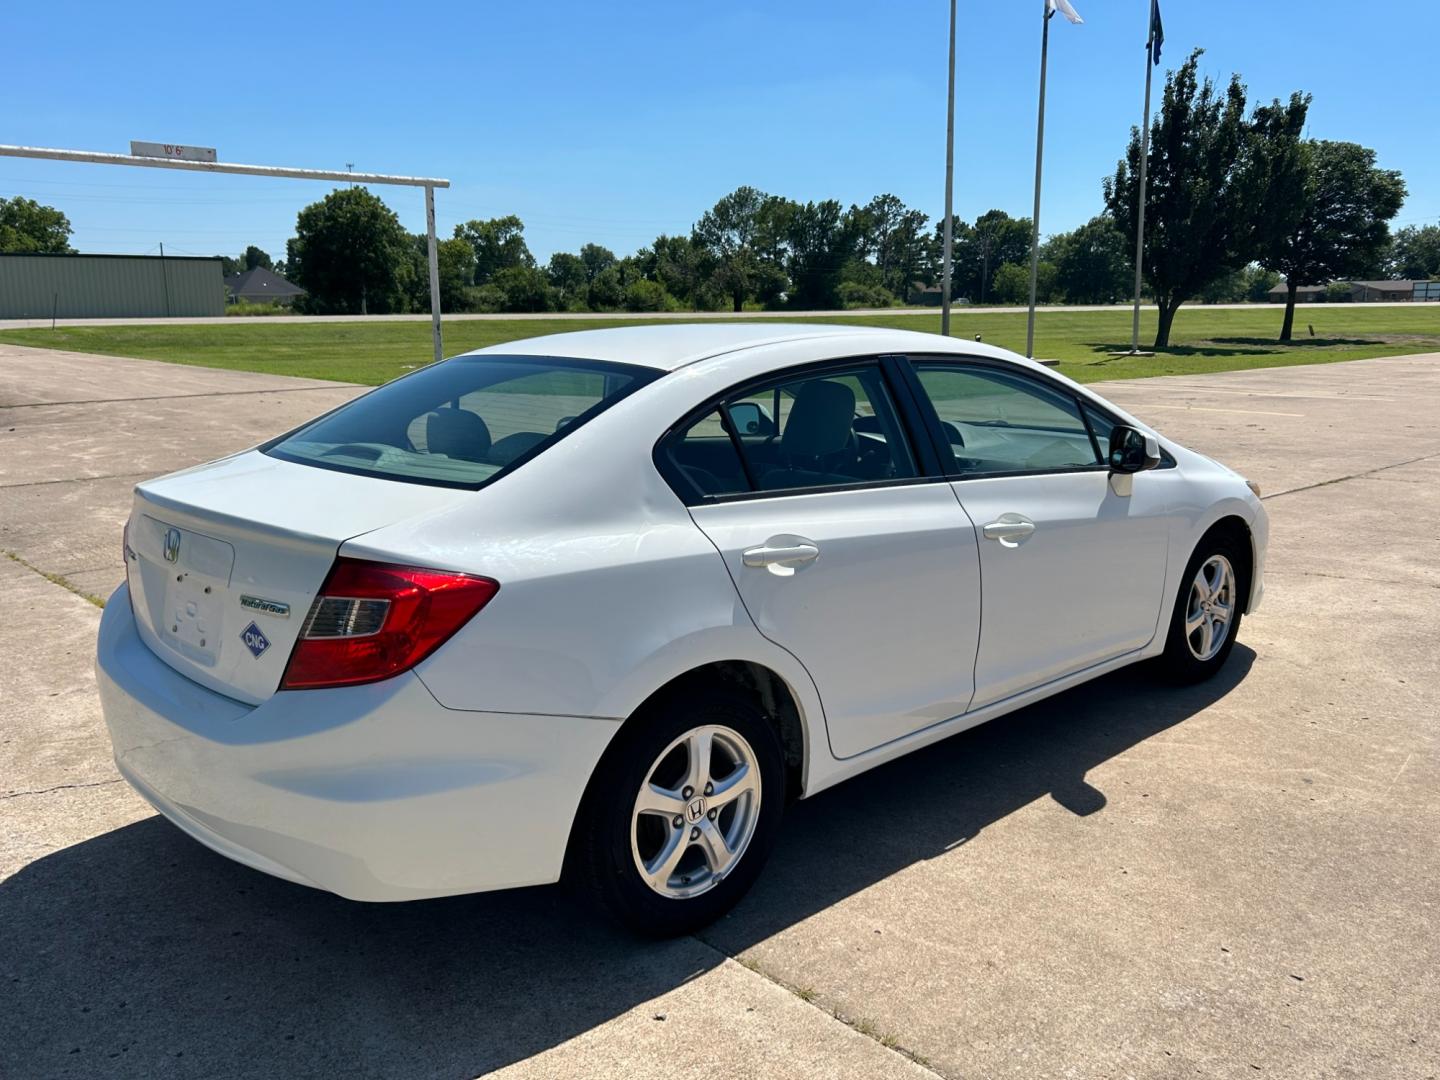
(462, 422)
(705, 456)
(827, 430)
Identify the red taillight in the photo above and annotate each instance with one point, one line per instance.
(373, 620)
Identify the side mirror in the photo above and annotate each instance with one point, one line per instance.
(750, 418)
(1132, 451)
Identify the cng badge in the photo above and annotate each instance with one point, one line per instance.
(255, 640)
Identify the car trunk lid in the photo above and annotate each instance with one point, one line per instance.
(223, 561)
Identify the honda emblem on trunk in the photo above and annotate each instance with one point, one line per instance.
(172, 545)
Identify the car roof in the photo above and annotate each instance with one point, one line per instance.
(668, 346)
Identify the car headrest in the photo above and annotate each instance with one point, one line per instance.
(511, 446)
(457, 433)
(820, 420)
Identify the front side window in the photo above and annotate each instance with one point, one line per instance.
(998, 422)
(833, 429)
(462, 422)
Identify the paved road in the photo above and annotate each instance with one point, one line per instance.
(685, 316)
(1233, 880)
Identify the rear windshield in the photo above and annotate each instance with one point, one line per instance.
(462, 422)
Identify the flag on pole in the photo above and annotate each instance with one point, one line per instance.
(1157, 32)
(1064, 8)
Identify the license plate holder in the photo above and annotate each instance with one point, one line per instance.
(193, 615)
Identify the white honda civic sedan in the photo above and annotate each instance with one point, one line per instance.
(597, 606)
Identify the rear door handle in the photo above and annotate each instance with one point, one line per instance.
(1010, 529)
(781, 553)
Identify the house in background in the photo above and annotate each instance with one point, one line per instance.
(1360, 292)
(1306, 294)
(261, 286)
(923, 294)
(1371, 291)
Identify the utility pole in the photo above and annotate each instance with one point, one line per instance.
(165, 279)
(432, 253)
(984, 264)
(1140, 219)
(948, 247)
(1047, 12)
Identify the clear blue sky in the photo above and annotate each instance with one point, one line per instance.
(616, 122)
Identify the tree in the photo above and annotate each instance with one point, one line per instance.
(1229, 288)
(894, 237)
(1012, 283)
(729, 231)
(568, 278)
(979, 250)
(498, 243)
(254, 257)
(607, 290)
(351, 255)
(524, 288)
(456, 259)
(29, 226)
(821, 239)
(684, 268)
(998, 239)
(1092, 264)
(1258, 282)
(1249, 284)
(596, 260)
(1415, 252)
(1342, 228)
(1199, 207)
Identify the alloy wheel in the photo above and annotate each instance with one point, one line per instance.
(1211, 607)
(696, 811)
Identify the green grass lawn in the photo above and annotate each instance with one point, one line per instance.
(1204, 339)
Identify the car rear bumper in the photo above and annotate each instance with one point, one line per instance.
(373, 792)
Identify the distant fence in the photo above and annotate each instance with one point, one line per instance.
(1427, 290)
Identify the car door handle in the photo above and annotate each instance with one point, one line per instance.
(1009, 530)
(790, 552)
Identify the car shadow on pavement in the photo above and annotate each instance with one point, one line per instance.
(141, 954)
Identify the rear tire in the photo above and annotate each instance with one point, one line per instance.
(681, 813)
(1207, 613)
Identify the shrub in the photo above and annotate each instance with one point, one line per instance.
(856, 294)
(645, 295)
(484, 298)
(524, 288)
(243, 308)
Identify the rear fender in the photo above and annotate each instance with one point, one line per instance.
(715, 645)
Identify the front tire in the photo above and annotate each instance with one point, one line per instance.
(681, 814)
(1207, 613)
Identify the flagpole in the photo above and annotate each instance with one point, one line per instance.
(949, 186)
(1140, 215)
(1039, 160)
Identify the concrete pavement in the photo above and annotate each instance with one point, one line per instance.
(77, 432)
(1230, 880)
